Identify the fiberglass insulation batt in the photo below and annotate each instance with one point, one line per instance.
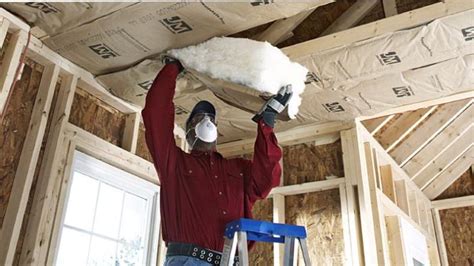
(256, 65)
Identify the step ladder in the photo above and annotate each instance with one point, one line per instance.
(238, 232)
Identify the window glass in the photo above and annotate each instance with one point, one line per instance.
(74, 248)
(82, 201)
(109, 208)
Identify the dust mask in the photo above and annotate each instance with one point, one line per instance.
(206, 130)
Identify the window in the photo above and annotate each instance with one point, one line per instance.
(111, 217)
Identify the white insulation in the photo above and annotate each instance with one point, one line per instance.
(257, 65)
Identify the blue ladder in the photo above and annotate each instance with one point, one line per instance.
(238, 232)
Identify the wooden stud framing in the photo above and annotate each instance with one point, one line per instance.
(111, 154)
(443, 254)
(130, 133)
(413, 201)
(28, 159)
(10, 63)
(402, 196)
(395, 236)
(48, 173)
(388, 185)
(4, 25)
(278, 217)
(351, 16)
(412, 191)
(394, 23)
(349, 230)
(460, 147)
(424, 133)
(308, 187)
(26, 166)
(57, 214)
(304, 133)
(449, 175)
(390, 208)
(458, 202)
(378, 217)
(352, 147)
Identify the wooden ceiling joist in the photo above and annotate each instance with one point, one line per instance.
(374, 125)
(454, 150)
(404, 124)
(450, 174)
(351, 16)
(425, 132)
(401, 21)
(389, 8)
(282, 29)
(439, 143)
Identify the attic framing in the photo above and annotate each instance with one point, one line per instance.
(374, 185)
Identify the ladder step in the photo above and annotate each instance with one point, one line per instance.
(264, 231)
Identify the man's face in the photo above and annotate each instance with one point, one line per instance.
(193, 141)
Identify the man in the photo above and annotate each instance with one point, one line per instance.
(202, 191)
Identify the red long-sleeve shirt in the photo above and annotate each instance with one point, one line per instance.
(201, 192)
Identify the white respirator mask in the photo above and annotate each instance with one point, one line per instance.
(206, 130)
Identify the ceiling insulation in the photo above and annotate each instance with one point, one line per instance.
(363, 78)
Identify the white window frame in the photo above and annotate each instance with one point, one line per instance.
(111, 175)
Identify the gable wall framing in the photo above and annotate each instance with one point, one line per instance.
(360, 193)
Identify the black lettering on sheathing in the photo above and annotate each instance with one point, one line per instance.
(334, 107)
(176, 24)
(468, 33)
(403, 91)
(43, 7)
(389, 58)
(103, 50)
(261, 2)
(311, 77)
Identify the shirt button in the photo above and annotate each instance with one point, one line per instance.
(212, 163)
(241, 174)
(190, 171)
(220, 192)
(215, 177)
(224, 212)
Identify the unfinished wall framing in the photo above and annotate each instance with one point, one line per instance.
(365, 204)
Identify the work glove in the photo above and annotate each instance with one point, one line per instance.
(275, 105)
(166, 59)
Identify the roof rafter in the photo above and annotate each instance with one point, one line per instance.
(438, 144)
(450, 175)
(351, 16)
(425, 132)
(454, 150)
(404, 124)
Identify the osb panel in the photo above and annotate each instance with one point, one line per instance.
(320, 213)
(464, 186)
(306, 162)
(262, 253)
(317, 22)
(458, 231)
(24, 224)
(142, 148)
(14, 128)
(97, 117)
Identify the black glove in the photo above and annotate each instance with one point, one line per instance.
(166, 59)
(274, 106)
